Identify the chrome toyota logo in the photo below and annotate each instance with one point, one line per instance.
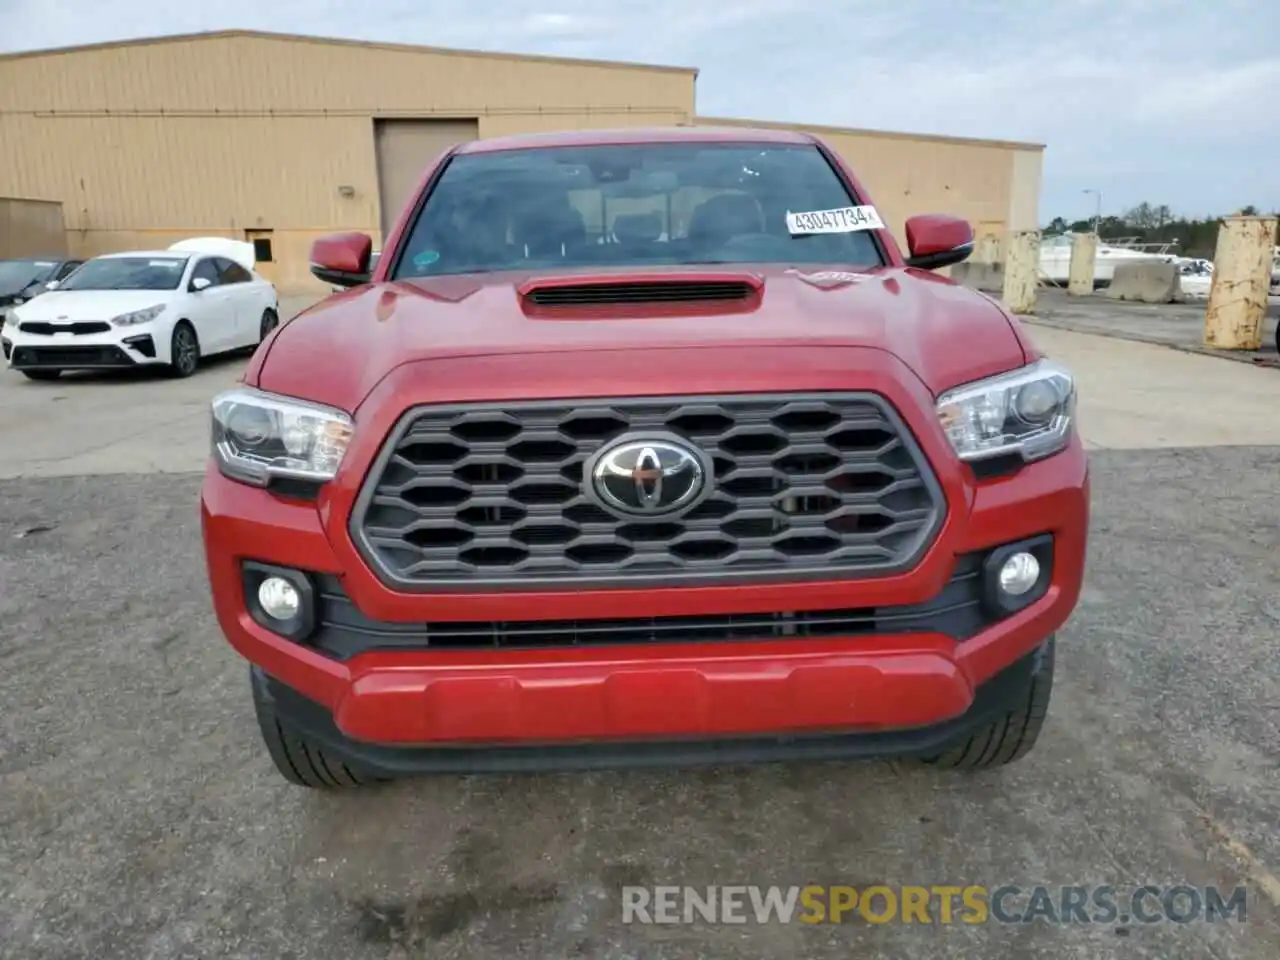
(655, 476)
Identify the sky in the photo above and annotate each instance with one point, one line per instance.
(1164, 101)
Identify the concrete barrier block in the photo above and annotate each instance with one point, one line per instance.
(987, 277)
(1145, 283)
(1242, 267)
(1021, 271)
(1084, 257)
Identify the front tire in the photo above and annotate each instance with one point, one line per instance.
(1011, 736)
(184, 350)
(297, 759)
(42, 374)
(270, 320)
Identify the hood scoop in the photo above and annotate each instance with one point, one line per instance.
(608, 291)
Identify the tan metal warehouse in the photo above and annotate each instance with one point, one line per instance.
(279, 138)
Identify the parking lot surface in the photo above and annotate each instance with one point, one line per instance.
(1178, 325)
(140, 818)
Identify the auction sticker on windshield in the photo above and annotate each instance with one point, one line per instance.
(840, 220)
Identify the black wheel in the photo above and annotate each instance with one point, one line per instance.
(42, 374)
(1011, 736)
(270, 320)
(184, 350)
(300, 762)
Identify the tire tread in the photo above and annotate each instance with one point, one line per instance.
(298, 760)
(1010, 736)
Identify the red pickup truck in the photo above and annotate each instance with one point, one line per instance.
(645, 447)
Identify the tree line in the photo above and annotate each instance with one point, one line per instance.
(1153, 223)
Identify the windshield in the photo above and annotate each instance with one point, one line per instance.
(128, 273)
(16, 275)
(635, 205)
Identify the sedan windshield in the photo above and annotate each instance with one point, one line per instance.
(17, 275)
(128, 273)
(637, 205)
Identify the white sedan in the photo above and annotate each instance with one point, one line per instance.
(168, 308)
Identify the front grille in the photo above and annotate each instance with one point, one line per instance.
(342, 631)
(490, 495)
(661, 291)
(68, 357)
(80, 328)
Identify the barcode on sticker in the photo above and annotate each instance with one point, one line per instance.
(839, 220)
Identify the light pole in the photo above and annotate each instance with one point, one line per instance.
(1097, 216)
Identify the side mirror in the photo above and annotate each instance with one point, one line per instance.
(342, 259)
(51, 285)
(200, 283)
(936, 240)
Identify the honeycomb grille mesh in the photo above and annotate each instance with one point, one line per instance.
(814, 484)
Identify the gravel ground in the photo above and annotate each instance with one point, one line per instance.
(139, 817)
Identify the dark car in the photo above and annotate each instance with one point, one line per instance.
(20, 280)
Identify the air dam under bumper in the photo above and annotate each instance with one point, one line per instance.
(317, 724)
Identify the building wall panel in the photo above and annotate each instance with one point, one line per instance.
(31, 228)
(405, 149)
(234, 73)
(1024, 199)
(133, 173)
(506, 124)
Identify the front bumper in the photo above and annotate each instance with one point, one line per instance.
(383, 704)
(1003, 692)
(116, 349)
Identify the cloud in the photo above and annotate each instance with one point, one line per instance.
(561, 25)
(1166, 101)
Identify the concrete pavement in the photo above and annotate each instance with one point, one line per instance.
(1178, 325)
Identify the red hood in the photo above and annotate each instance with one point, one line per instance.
(338, 351)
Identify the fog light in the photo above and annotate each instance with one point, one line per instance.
(279, 598)
(1018, 574)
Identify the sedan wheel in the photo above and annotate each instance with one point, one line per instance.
(184, 352)
(270, 320)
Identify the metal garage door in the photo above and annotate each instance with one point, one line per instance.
(404, 149)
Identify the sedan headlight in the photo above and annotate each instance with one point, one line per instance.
(138, 316)
(258, 437)
(1029, 412)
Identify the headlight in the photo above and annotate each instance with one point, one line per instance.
(258, 437)
(1029, 412)
(138, 316)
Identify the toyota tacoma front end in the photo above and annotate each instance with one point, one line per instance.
(645, 447)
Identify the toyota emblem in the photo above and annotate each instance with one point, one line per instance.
(654, 476)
